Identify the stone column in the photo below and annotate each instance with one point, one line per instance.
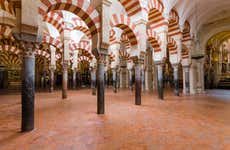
(142, 78)
(74, 78)
(130, 79)
(52, 69)
(202, 76)
(200, 81)
(66, 57)
(114, 71)
(28, 89)
(74, 67)
(100, 87)
(64, 79)
(121, 78)
(52, 66)
(160, 81)
(176, 80)
(127, 78)
(137, 84)
(193, 77)
(93, 81)
(118, 79)
(148, 79)
(154, 77)
(186, 78)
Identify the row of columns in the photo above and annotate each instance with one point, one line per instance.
(28, 85)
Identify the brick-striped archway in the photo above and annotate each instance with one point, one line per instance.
(56, 19)
(186, 32)
(53, 41)
(173, 28)
(125, 23)
(172, 46)
(155, 40)
(155, 14)
(132, 7)
(81, 8)
(81, 26)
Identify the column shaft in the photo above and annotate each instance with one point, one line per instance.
(28, 91)
(131, 79)
(137, 84)
(100, 88)
(51, 79)
(176, 80)
(160, 81)
(186, 79)
(64, 80)
(93, 81)
(74, 78)
(114, 80)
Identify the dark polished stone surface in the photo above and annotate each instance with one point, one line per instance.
(160, 87)
(137, 84)
(100, 89)
(28, 90)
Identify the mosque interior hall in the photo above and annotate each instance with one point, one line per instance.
(114, 75)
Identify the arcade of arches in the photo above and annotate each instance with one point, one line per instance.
(84, 62)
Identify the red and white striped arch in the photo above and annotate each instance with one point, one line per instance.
(124, 54)
(112, 37)
(155, 14)
(84, 58)
(56, 19)
(125, 41)
(174, 28)
(81, 8)
(81, 26)
(42, 53)
(186, 32)
(82, 45)
(10, 48)
(56, 42)
(6, 6)
(172, 46)
(125, 23)
(185, 52)
(154, 39)
(132, 7)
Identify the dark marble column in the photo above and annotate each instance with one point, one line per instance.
(137, 84)
(176, 80)
(114, 80)
(131, 79)
(52, 69)
(100, 87)
(118, 79)
(74, 78)
(93, 81)
(187, 84)
(106, 79)
(64, 79)
(28, 90)
(160, 81)
(142, 79)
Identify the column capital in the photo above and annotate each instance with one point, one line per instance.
(52, 67)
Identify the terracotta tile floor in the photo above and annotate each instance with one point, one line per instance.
(184, 123)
